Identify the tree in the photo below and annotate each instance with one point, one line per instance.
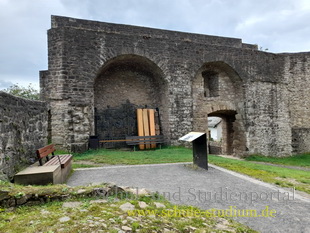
(26, 92)
(263, 49)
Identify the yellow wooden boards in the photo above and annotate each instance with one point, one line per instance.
(157, 129)
(146, 125)
(140, 125)
(151, 113)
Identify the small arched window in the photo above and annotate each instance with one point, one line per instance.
(211, 83)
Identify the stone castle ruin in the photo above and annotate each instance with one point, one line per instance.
(100, 73)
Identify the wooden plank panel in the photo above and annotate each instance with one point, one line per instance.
(140, 125)
(152, 124)
(146, 126)
(157, 129)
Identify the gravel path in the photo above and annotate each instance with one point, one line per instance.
(215, 188)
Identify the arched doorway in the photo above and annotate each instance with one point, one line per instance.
(226, 142)
(124, 84)
(217, 92)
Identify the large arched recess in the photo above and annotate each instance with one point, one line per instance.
(217, 91)
(122, 85)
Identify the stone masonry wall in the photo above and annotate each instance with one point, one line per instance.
(297, 69)
(268, 119)
(23, 129)
(258, 94)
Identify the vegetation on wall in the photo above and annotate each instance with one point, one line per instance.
(25, 92)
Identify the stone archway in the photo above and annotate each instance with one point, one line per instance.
(217, 91)
(122, 85)
(228, 132)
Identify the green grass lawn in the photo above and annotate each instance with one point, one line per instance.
(284, 177)
(164, 155)
(302, 160)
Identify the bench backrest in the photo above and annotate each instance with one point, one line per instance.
(45, 152)
(135, 140)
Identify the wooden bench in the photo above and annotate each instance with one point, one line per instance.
(45, 152)
(51, 168)
(102, 141)
(65, 161)
(144, 140)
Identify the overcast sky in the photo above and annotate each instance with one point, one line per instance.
(279, 26)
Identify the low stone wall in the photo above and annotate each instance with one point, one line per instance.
(45, 195)
(23, 129)
(30, 195)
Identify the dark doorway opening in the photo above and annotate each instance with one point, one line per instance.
(228, 132)
(123, 85)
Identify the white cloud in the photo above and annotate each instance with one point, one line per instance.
(280, 26)
(21, 80)
(23, 38)
(5, 84)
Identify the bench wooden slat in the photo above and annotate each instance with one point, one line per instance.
(145, 141)
(45, 151)
(52, 161)
(116, 140)
(138, 140)
(129, 138)
(64, 160)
